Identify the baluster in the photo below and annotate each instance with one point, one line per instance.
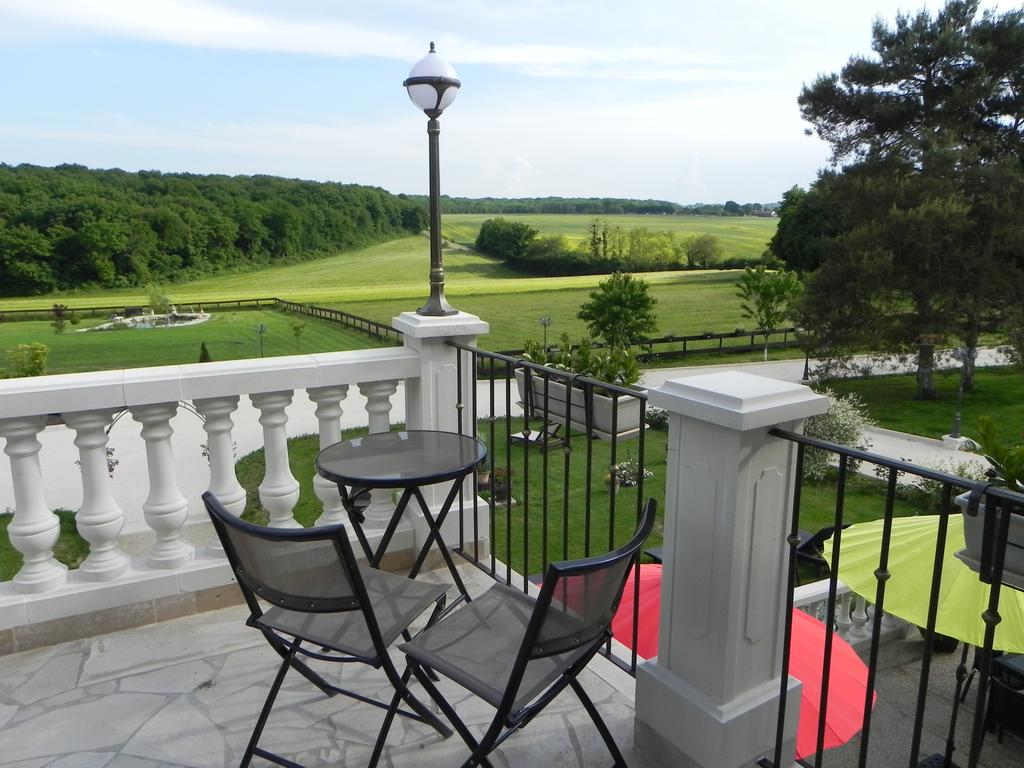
(279, 490)
(328, 413)
(843, 622)
(166, 510)
(859, 617)
(35, 529)
(378, 396)
(220, 451)
(99, 519)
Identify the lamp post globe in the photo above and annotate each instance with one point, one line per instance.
(432, 86)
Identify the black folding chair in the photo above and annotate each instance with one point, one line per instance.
(518, 653)
(319, 595)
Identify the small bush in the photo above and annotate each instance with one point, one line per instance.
(27, 360)
(657, 418)
(844, 423)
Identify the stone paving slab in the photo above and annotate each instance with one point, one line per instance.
(186, 692)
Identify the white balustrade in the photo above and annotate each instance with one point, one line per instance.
(279, 490)
(156, 487)
(378, 396)
(220, 452)
(35, 529)
(859, 618)
(328, 414)
(100, 519)
(165, 508)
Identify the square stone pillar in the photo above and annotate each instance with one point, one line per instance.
(431, 400)
(710, 698)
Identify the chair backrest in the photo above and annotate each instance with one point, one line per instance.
(579, 597)
(307, 569)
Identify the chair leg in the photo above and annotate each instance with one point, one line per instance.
(417, 706)
(261, 721)
(388, 718)
(599, 722)
(452, 716)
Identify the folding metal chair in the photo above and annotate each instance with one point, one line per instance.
(319, 595)
(518, 653)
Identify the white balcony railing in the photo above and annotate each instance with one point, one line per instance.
(187, 425)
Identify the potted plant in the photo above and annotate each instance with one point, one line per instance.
(1008, 469)
(566, 402)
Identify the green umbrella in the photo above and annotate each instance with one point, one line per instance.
(962, 597)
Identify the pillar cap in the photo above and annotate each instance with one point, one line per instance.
(739, 401)
(418, 326)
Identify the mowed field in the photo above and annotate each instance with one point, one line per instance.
(743, 237)
(384, 280)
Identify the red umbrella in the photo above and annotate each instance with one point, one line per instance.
(847, 678)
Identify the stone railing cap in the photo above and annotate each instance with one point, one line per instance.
(737, 400)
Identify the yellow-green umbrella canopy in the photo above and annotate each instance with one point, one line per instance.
(962, 596)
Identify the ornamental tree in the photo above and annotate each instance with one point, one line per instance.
(620, 311)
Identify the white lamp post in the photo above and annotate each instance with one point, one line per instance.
(432, 85)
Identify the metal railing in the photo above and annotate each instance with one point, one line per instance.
(553, 439)
(996, 528)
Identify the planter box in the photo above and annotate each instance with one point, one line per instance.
(567, 405)
(974, 533)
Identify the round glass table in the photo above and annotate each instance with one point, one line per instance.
(407, 460)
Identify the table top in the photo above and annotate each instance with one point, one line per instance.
(400, 459)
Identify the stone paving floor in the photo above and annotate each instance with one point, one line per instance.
(186, 693)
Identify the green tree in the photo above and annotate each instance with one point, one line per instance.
(159, 302)
(59, 312)
(702, 251)
(298, 328)
(620, 311)
(927, 141)
(505, 238)
(766, 298)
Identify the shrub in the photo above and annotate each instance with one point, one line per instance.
(27, 360)
(843, 423)
(611, 364)
(657, 418)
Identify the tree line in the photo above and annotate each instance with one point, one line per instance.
(595, 206)
(912, 238)
(70, 226)
(606, 249)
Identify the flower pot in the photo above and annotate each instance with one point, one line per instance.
(974, 534)
(567, 404)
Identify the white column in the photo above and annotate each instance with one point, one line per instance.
(220, 452)
(35, 529)
(166, 510)
(328, 414)
(99, 519)
(432, 401)
(378, 396)
(279, 491)
(710, 699)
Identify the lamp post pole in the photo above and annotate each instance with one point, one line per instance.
(432, 85)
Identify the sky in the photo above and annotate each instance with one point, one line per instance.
(667, 99)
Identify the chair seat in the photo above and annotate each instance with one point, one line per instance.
(476, 646)
(396, 602)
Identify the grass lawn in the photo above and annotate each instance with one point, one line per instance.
(688, 303)
(228, 336)
(520, 536)
(743, 237)
(998, 392)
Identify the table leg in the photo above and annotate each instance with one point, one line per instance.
(434, 526)
(396, 518)
(355, 518)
